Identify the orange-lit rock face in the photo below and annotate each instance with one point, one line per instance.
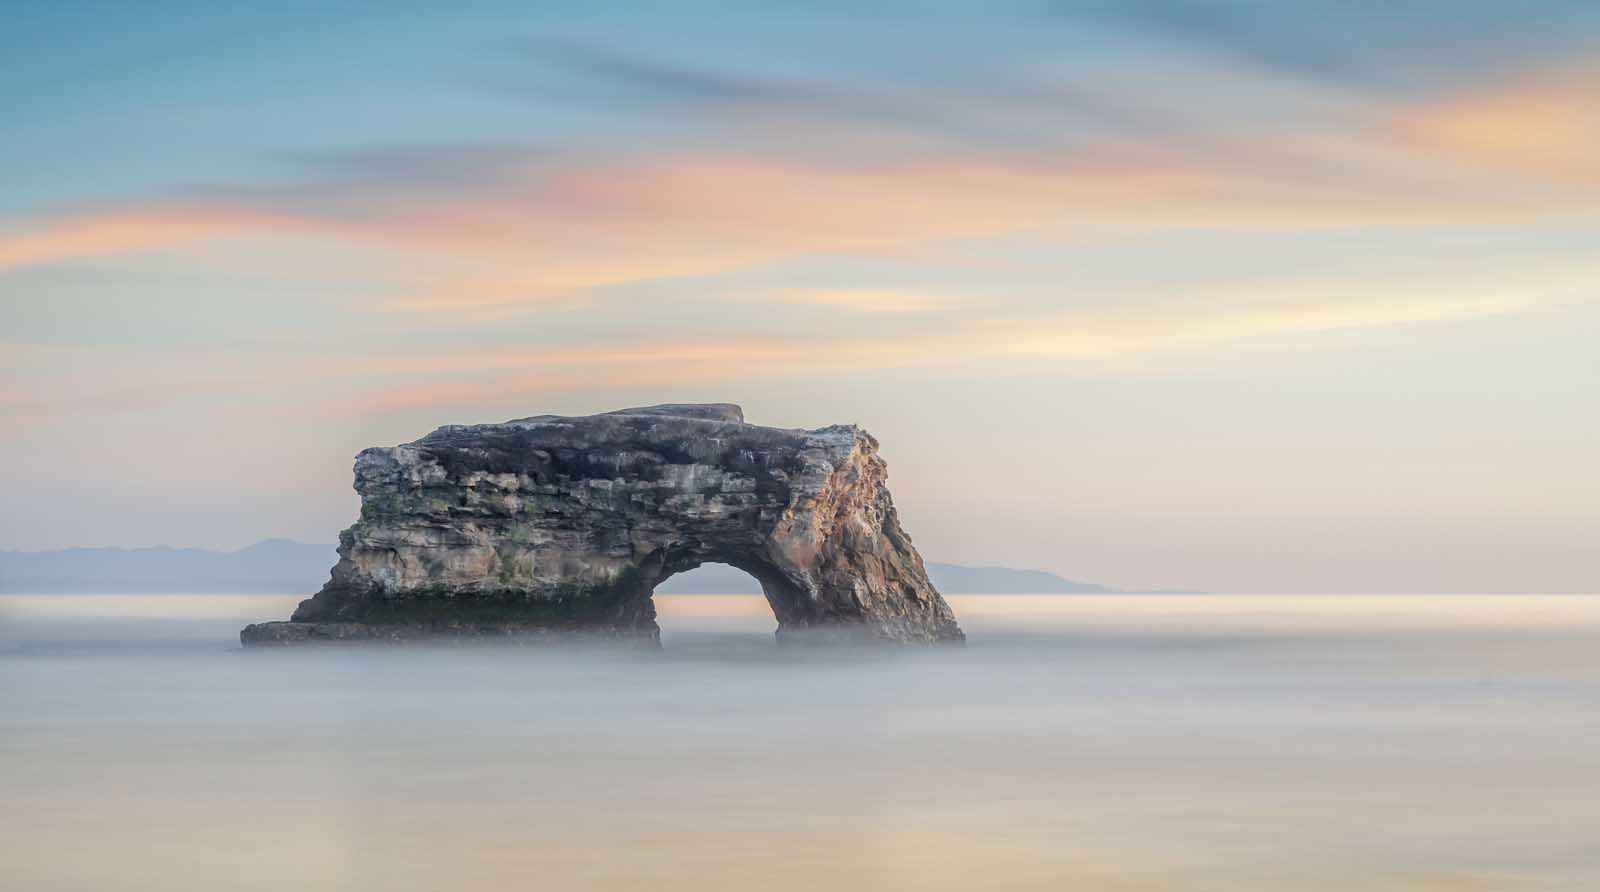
(552, 524)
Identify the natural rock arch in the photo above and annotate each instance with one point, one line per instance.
(552, 524)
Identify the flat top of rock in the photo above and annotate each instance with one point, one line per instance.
(700, 411)
(707, 411)
(716, 427)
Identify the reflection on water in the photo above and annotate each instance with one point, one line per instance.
(1187, 743)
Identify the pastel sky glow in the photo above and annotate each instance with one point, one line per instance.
(1239, 295)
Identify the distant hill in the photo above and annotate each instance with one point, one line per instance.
(951, 579)
(959, 580)
(271, 566)
(285, 566)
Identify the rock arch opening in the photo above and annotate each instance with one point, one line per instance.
(712, 602)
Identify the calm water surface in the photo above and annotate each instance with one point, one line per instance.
(1117, 743)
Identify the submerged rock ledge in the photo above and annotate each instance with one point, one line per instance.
(555, 526)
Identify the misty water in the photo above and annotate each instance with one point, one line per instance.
(1121, 743)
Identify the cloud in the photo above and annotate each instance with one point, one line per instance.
(553, 224)
(1090, 339)
(1152, 327)
(1381, 50)
(141, 228)
(568, 68)
(874, 108)
(566, 219)
(19, 407)
(469, 233)
(1544, 122)
(1253, 34)
(857, 300)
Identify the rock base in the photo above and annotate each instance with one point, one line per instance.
(297, 633)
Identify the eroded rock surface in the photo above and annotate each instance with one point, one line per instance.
(550, 525)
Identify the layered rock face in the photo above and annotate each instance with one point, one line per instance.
(552, 525)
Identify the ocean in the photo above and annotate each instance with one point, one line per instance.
(1077, 742)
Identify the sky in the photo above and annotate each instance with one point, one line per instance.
(1254, 296)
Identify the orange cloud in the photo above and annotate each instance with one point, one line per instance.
(587, 223)
(1137, 328)
(495, 240)
(584, 223)
(488, 297)
(19, 407)
(854, 300)
(131, 229)
(1545, 122)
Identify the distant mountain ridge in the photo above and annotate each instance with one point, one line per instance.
(283, 566)
(269, 566)
(951, 579)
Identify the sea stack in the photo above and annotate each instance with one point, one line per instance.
(551, 526)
